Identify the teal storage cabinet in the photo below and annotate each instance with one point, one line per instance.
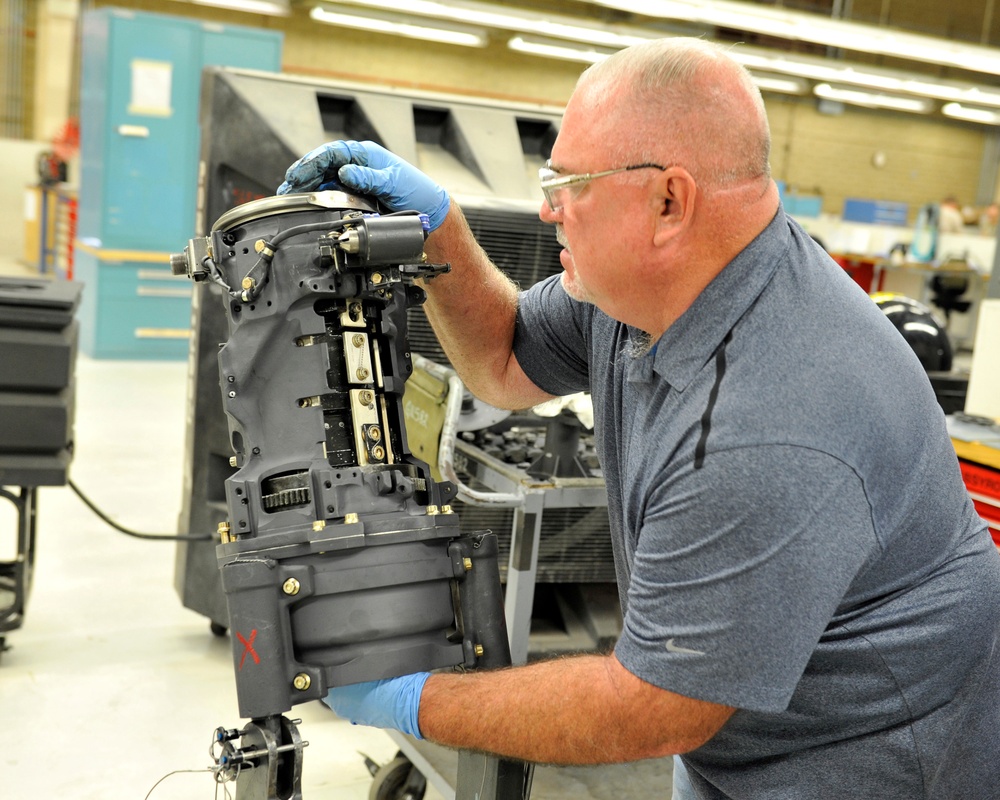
(139, 148)
(135, 308)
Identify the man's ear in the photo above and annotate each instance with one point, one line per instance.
(677, 194)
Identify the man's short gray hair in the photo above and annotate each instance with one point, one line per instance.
(678, 89)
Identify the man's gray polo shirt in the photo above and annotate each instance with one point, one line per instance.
(791, 531)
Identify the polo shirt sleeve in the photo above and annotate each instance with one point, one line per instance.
(739, 567)
(551, 338)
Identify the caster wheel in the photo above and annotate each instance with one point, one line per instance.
(217, 629)
(397, 780)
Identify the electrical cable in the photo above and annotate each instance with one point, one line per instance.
(163, 537)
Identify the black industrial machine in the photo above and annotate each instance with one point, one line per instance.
(38, 339)
(545, 505)
(487, 154)
(342, 559)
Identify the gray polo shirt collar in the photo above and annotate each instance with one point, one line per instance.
(689, 343)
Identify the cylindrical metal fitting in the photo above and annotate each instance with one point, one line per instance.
(291, 586)
(302, 682)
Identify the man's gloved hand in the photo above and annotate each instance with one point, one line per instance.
(391, 703)
(368, 168)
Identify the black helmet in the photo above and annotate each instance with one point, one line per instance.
(919, 327)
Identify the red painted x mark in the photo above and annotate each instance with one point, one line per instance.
(248, 647)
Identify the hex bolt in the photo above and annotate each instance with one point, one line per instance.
(259, 245)
(302, 682)
(376, 278)
(232, 461)
(247, 282)
(467, 563)
(291, 586)
(432, 511)
(351, 518)
(319, 524)
(446, 509)
(478, 649)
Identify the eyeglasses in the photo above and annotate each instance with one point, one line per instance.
(560, 189)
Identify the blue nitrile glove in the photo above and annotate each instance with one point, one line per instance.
(368, 168)
(391, 703)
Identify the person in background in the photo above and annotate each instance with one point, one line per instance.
(811, 607)
(988, 219)
(950, 217)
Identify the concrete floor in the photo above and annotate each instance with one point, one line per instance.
(110, 683)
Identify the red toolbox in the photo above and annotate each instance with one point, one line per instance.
(983, 483)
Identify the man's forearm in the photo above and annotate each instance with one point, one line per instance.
(472, 310)
(577, 710)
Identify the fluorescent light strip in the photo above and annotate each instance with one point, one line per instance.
(275, 8)
(768, 83)
(493, 16)
(549, 50)
(983, 115)
(801, 26)
(869, 100)
(379, 24)
(867, 78)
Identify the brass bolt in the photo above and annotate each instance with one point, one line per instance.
(259, 245)
(247, 282)
(362, 374)
(350, 519)
(291, 586)
(376, 278)
(432, 511)
(366, 397)
(374, 433)
(378, 452)
(358, 340)
(232, 461)
(446, 509)
(224, 531)
(467, 563)
(478, 649)
(302, 682)
(319, 524)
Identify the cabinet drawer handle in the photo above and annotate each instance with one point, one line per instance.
(134, 130)
(162, 291)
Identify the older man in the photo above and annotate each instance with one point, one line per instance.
(811, 606)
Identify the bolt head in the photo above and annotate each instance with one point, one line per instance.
(302, 682)
(291, 586)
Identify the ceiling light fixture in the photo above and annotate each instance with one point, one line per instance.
(865, 77)
(521, 21)
(392, 24)
(562, 51)
(803, 26)
(771, 83)
(274, 8)
(981, 115)
(871, 100)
